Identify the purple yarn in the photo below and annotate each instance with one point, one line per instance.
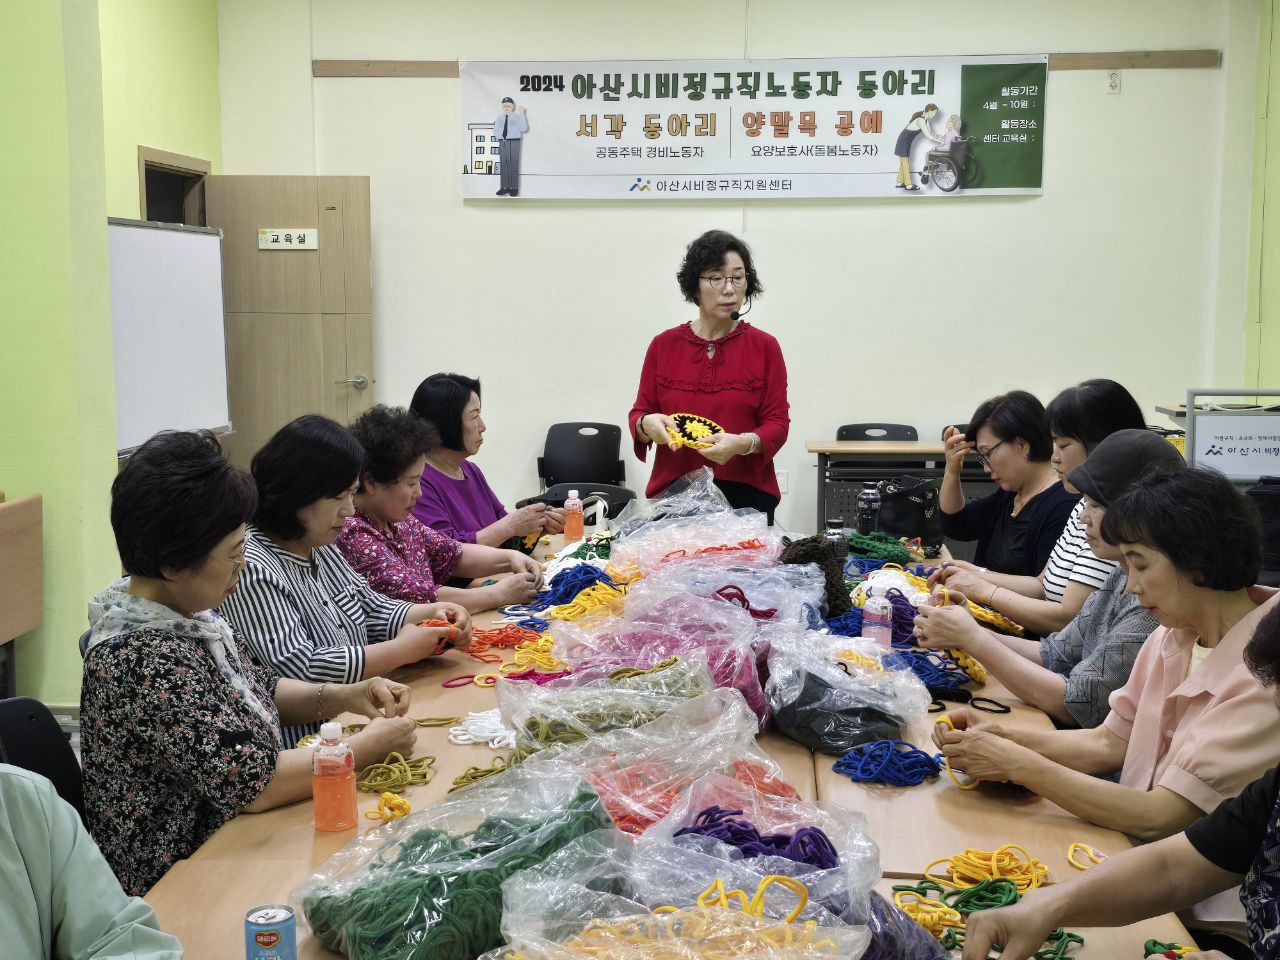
(895, 936)
(807, 845)
(904, 619)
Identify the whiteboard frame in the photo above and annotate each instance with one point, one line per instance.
(226, 429)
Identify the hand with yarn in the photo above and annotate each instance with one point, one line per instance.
(955, 449)
(723, 447)
(947, 568)
(531, 518)
(1020, 929)
(514, 588)
(377, 697)
(383, 736)
(981, 754)
(553, 521)
(658, 428)
(971, 583)
(523, 564)
(941, 628)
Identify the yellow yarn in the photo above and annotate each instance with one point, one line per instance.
(390, 807)
(973, 866)
(858, 660)
(717, 896)
(1092, 856)
(396, 773)
(946, 722)
(593, 598)
(934, 915)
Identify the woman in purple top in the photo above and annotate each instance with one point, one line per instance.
(456, 499)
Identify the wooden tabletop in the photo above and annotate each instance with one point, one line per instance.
(258, 859)
(1104, 943)
(917, 448)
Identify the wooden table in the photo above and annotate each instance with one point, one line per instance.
(21, 579)
(1104, 943)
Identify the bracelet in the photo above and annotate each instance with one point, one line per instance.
(755, 443)
(641, 434)
(319, 704)
(992, 599)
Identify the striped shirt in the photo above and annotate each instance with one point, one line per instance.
(1073, 561)
(309, 623)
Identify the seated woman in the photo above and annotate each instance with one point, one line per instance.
(180, 731)
(301, 609)
(1236, 842)
(1017, 526)
(393, 550)
(1079, 419)
(1071, 674)
(1192, 727)
(456, 498)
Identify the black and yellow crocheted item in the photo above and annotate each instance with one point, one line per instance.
(694, 431)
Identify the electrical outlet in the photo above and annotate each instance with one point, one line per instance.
(1113, 81)
(782, 480)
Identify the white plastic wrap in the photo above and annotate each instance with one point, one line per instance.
(740, 536)
(772, 593)
(691, 495)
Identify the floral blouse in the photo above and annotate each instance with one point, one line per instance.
(171, 750)
(409, 563)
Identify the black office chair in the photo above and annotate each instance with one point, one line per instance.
(615, 497)
(30, 738)
(877, 431)
(582, 453)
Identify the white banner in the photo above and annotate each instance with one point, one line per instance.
(1242, 446)
(688, 129)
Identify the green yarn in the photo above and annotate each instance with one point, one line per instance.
(433, 895)
(986, 895)
(878, 546)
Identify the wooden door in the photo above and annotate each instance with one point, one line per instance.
(299, 322)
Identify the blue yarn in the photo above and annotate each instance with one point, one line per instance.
(895, 762)
(847, 624)
(536, 624)
(564, 586)
(858, 567)
(933, 669)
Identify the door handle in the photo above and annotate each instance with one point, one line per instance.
(359, 382)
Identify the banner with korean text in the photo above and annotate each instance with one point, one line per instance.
(686, 129)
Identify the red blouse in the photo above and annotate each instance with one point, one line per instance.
(742, 387)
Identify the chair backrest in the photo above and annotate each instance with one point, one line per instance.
(582, 453)
(84, 643)
(877, 431)
(616, 497)
(30, 738)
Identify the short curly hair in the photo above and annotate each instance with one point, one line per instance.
(1198, 519)
(708, 253)
(393, 438)
(174, 500)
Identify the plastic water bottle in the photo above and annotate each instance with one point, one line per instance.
(572, 518)
(877, 621)
(867, 512)
(333, 780)
(835, 535)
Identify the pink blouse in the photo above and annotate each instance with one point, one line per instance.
(409, 563)
(1204, 736)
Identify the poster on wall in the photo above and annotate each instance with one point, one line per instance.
(1245, 446)
(690, 129)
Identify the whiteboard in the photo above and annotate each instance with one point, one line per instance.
(167, 329)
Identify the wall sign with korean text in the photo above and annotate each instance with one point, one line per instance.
(684, 129)
(288, 238)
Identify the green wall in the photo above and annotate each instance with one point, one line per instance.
(159, 88)
(57, 431)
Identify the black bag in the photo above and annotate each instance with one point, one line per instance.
(909, 508)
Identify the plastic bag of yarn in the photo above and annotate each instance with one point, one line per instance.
(895, 936)
(685, 675)
(429, 884)
(605, 897)
(694, 494)
(739, 536)
(641, 772)
(542, 717)
(770, 592)
(830, 702)
(839, 865)
(675, 626)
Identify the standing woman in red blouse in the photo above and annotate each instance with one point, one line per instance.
(720, 367)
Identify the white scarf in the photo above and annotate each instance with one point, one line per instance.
(114, 612)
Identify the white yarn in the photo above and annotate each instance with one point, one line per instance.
(485, 727)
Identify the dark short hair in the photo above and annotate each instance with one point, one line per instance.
(307, 460)
(440, 400)
(1013, 415)
(1262, 652)
(708, 253)
(392, 438)
(175, 498)
(1092, 411)
(1195, 517)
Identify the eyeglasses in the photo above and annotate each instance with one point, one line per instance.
(985, 458)
(721, 282)
(236, 563)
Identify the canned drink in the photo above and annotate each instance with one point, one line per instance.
(271, 933)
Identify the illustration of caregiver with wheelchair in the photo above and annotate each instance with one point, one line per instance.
(917, 125)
